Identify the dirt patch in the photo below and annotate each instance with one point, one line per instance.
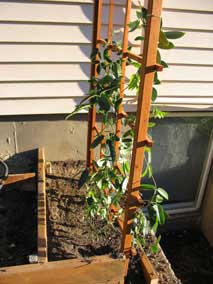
(71, 233)
(18, 226)
(190, 255)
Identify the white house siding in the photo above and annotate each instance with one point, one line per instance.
(45, 47)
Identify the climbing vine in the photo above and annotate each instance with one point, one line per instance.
(107, 184)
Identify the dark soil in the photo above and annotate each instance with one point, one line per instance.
(17, 226)
(190, 255)
(72, 234)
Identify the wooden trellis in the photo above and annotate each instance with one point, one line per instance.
(149, 66)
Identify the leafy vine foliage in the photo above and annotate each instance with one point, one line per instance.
(107, 184)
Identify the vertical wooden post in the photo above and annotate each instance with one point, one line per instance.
(42, 219)
(142, 116)
(92, 111)
(109, 37)
(123, 72)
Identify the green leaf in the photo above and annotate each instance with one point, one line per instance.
(78, 109)
(117, 103)
(147, 186)
(169, 46)
(83, 178)
(165, 65)
(139, 14)
(106, 55)
(97, 141)
(139, 38)
(159, 213)
(158, 57)
(174, 34)
(133, 25)
(144, 12)
(163, 193)
(103, 103)
(163, 39)
(90, 201)
(133, 82)
(111, 145)
(156, 80)
(154, 94)
(151, 124)
(155, 247)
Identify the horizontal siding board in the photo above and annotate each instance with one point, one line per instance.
(187, 73)
(187, 56)
(195, 39)
(46, 12)
(182, 73)
(192, 101)
(56, 106)
(44, 72)
(185, 89)
(44, 53)
(45, 33)
(81, 53)
(80, 72)
(43, 90)
(76, 89)
(35, 35)
(179, 20)
(196, 5)
(83, 34)
(70, 13)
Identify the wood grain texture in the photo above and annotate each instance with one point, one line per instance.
(41, 209)
(98, 270)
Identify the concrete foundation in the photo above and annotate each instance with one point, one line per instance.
(62, 139)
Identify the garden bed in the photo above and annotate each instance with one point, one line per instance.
(72, 234)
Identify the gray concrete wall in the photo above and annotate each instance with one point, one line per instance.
(62, 139)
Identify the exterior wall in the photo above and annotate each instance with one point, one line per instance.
(61, 139)
(45, 47)
(207, 210)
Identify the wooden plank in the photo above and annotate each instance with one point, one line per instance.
(148, 270)
(12, 178)
(41, 203)
(97, 16)
(123, 73)
(98, 270)
(142, 117)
